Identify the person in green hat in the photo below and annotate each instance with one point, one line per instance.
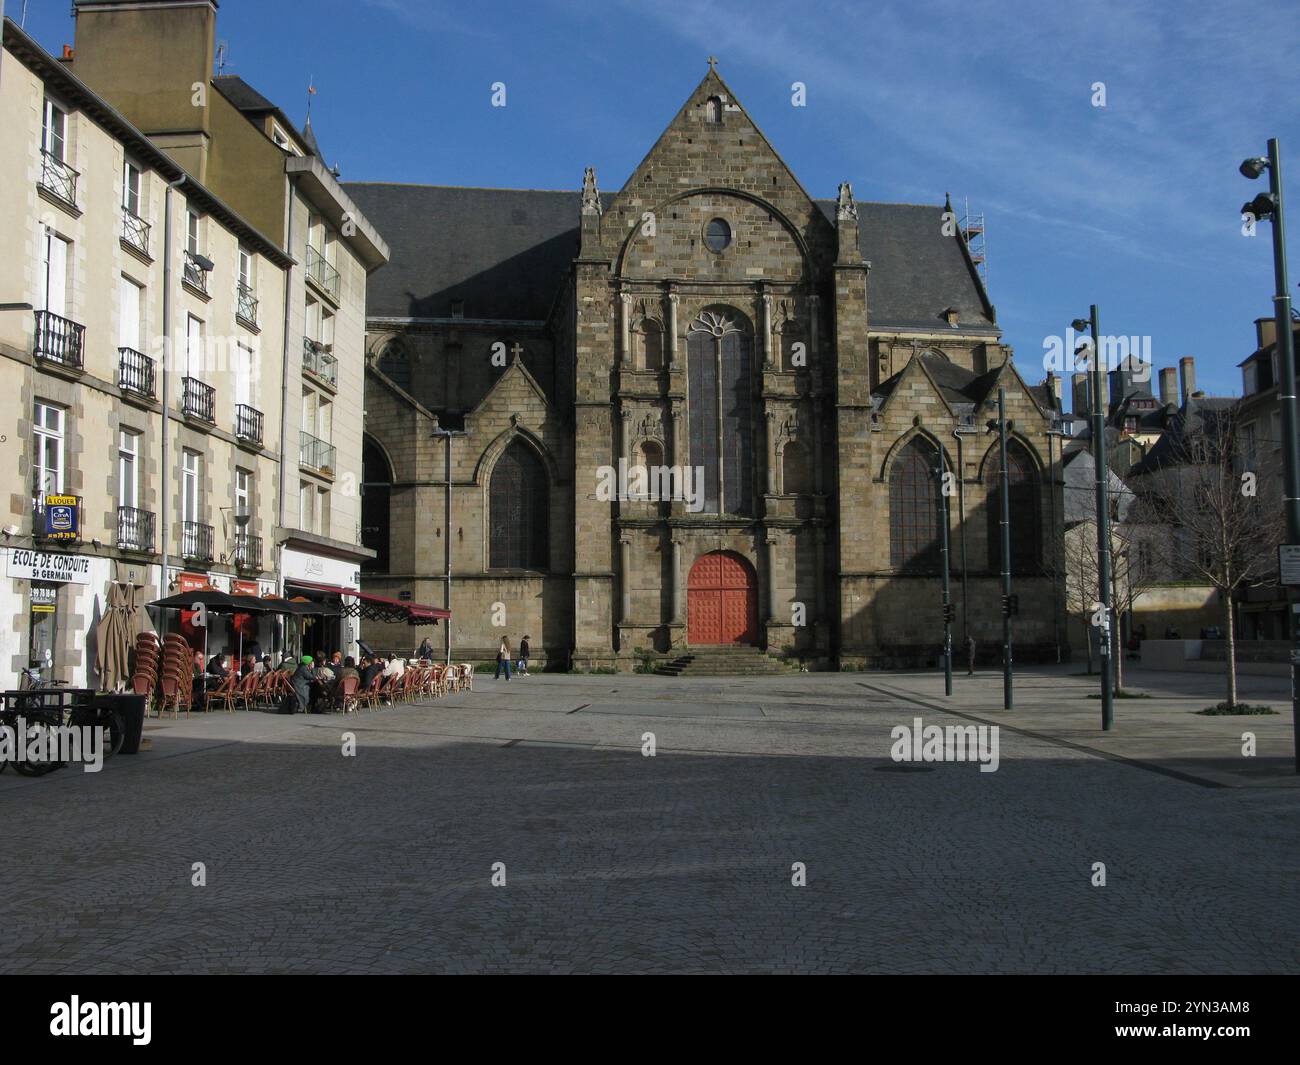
(301, 681)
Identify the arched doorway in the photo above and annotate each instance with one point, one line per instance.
(721, 600)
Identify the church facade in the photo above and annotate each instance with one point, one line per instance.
(706, 410)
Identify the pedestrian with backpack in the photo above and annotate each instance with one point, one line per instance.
(523, 656)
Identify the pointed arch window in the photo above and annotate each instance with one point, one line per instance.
(914, 509)
(719, 381)
(1022, 483)
(519, 511)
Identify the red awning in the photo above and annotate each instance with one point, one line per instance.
(371, 607)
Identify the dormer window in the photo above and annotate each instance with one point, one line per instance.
(458, 308)
(950, 315)
(713, 110)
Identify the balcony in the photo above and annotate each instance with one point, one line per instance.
(134, 529)
(315, 454)
(135, 373)
(248, 423)
(196, 541)
(246, 304)
(135, 231)
(198, 400)
(248, 552)
(319, 362)
(195, 275)
(58, 178)
(324, 275)
(59, 340)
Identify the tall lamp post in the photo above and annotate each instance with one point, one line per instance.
(943, 558)
(446, 435)
(1004, 526)
(1056, 429)
(1269, 205)
(1098, 417)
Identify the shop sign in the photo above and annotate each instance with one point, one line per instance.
(30, 564)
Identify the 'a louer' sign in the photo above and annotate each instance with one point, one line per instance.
(48, 566)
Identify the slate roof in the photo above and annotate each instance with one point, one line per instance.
(1196, 413)
(958, 385)
(249, 101)
(505, 253)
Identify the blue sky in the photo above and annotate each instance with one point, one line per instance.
(1134, 206)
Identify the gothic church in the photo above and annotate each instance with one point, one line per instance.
(814, 360)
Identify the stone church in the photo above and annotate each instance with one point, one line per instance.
(793, 368)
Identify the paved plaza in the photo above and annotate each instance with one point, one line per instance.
(682, 862)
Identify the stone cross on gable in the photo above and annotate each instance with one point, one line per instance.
(713, 62)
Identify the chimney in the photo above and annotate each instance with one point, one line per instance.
(1187, 372)
(1169, 386)
(1054, 390)
(1265, 332)
(1079, 394)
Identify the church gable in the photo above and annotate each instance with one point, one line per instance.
(714, 147)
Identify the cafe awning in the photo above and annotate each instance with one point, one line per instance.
(371, 607)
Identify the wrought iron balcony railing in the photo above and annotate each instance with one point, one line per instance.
(320, 271)
(248, 423)
(134, 529)
(59, 340)
(246, 304)
(135, 231)
(248, 552)
(59, 178)
(316, 360)
(196, 541)
(198, 400)
(315, 454)
(135, 372)
(194, 274)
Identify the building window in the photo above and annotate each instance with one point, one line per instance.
(54, 131)
(243, 491)
(914, 509)
(518, 501)
(128, 468)
(1023, 510)
(306, 506)
(192, 244)
(713, 109)
(323, 511)
(719, 409)
(717, 235)
(191, 495)
(54, 274)
(130, 296)
(131, 187)
(47, 464)
(193, 346)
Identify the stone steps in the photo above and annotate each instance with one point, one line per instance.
(723, 662)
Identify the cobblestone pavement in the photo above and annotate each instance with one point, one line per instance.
(616, 862)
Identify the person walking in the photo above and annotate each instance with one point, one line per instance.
(523, 656)
(970, 656)
(503, 659)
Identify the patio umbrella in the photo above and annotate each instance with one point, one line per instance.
(112, 658)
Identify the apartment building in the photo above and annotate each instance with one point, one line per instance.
(141, 339)
(230, 138)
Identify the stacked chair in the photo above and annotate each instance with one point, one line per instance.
(177, 676)
(144, 676)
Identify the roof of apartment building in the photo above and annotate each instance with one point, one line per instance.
(1200, 414)
(504, 254)
(77, 93)
(249, 101)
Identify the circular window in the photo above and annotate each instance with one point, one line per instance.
(717, 235)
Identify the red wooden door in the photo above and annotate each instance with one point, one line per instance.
(721, 601)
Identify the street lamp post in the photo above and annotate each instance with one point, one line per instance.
(943, 558)
(1269, 205)
(1098, 416)
(446, 435)
(1005, 528)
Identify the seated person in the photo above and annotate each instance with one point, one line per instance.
(370, 669)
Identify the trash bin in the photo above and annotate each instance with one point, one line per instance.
(130, 710)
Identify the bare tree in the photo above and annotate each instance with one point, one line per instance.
(1215, 503)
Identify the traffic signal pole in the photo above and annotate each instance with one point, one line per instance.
(943, 556)
(1005, 523)
(1103, 528)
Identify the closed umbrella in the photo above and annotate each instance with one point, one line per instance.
(114, 639)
